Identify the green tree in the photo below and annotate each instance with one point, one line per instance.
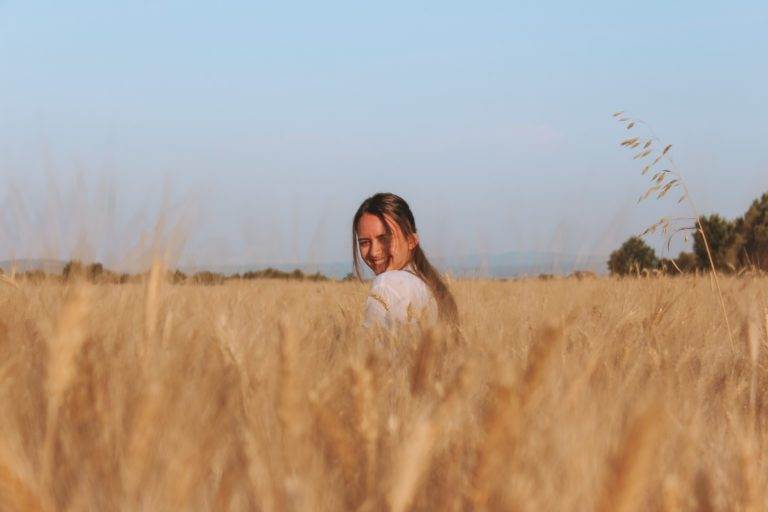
(753, 232)
(632, 257)
(723, 242)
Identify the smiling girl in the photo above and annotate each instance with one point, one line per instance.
(407, 288)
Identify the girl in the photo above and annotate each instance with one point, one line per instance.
(407, 288)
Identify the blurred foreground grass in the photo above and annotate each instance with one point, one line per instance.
(598, 394)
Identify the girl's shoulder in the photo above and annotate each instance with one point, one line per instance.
(399, 296)
(397, 279)
(401, 286)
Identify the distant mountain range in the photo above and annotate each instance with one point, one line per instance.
(508, 264)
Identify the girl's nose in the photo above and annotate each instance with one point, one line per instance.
(376, 249)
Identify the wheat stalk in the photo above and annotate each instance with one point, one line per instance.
(630, 465)
(233, 411)
(662, 186)
(15, 494)
(411, 464)
(364, 385)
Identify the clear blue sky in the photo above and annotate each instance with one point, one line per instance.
(266, 125)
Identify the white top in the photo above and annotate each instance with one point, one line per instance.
(399, 297)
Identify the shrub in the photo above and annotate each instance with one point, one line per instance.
(317, 276)
(34, 276)
(177, 277)
(633, 257)
(685, 261)
(272, 273)
(208, 278)
(72, 270)
(94, 271)
(583, 274)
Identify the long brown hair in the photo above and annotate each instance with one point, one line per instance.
(386, 205)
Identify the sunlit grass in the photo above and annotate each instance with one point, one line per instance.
(564, 394)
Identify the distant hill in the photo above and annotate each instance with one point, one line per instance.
(23, 265)
(512, 264)
(508, 264)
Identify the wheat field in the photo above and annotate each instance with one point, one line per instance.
(595, 394)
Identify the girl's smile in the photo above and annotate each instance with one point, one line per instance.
(383, 249)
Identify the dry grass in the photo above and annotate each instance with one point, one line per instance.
(560, 395)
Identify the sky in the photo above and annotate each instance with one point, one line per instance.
(247, 132)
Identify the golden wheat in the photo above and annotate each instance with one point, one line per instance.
(595, 394)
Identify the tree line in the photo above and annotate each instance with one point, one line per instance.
(735, 246)
(98, 274)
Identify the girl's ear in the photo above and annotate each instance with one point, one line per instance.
(413, 241)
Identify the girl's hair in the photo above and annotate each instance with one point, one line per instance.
(395, 208)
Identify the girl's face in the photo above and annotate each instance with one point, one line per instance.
(373, 239)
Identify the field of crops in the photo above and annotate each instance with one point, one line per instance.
(557, 395)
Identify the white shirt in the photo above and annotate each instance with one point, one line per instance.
(399, 297)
